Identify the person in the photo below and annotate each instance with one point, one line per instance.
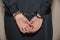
(28, 19)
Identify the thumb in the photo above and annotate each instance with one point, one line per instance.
(31, 21)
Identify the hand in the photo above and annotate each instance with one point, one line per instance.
(22, 23)
(36, 24)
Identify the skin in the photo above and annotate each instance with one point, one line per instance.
(36, 24)
(27, 26)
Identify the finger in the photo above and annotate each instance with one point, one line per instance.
(28, 23)
(26, 19)
(32, 25)
(34, 28)
(33, 31)
(27, 29)
(24, 29)
(32, 20)
(21, 29)
(30, 29)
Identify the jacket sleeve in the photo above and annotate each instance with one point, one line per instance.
(11, 5)
(45, 8)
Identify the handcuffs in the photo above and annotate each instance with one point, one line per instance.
(35, 14)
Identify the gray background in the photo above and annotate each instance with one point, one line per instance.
(55, 19)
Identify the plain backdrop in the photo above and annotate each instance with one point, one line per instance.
(55, 20)
(2, 31)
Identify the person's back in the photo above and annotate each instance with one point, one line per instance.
(28, 19)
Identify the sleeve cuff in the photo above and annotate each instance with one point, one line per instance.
(13, 9)
(43, 16)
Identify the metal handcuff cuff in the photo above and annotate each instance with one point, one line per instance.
(35, 14)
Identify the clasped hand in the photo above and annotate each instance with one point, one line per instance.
(26, 26)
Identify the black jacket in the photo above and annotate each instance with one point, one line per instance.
(43, 7)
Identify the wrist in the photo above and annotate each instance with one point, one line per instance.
(18, 16)
(16, 13)
(38, 16)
